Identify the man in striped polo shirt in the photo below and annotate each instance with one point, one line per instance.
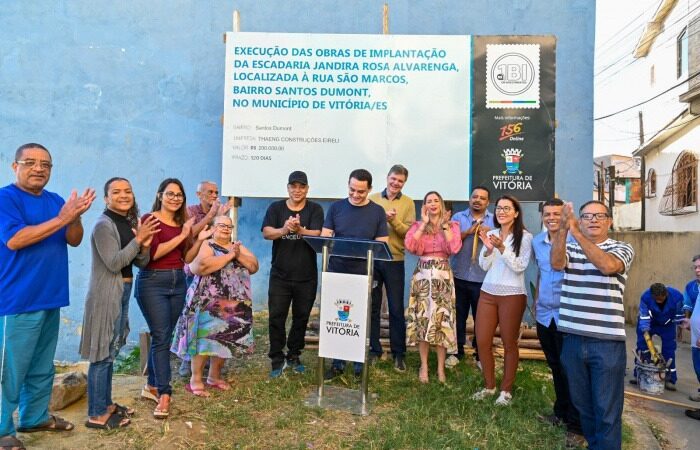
(591, 316)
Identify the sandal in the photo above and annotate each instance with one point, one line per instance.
(10, 442)
(196, 391)
(220, 385)
(149, 393)
(124, 411)
(54, 423)
(162, 413)
(115, 420)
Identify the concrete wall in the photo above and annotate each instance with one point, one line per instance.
(135, 89)
(661, 257)
(628, 216)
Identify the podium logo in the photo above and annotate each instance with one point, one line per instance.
(344, 306)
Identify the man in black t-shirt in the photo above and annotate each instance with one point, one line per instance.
(293, 276)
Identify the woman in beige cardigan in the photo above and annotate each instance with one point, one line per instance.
(118, 241)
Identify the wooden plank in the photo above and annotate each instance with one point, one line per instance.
(660, 400)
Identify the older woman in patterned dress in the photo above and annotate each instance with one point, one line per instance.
(217, 320)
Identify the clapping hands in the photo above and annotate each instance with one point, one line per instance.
(76, 205)
(145, 230)
(491, 241)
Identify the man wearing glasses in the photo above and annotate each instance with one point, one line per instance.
(591, 316)
(293, 276)
(208, 208)
(35, 226)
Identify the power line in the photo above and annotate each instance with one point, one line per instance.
(649, 99)
(616, 34)
(670, 40)
(645, 41)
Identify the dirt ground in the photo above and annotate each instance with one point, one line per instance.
(182, 431)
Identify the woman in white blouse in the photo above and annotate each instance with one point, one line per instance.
(505, 256)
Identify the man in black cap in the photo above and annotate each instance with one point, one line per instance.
(293, 276)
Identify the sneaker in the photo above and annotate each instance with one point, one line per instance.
(695, 397)
(478, 364)
(451, 362)
(504, 399)
(693, 413)
(276, 373)
(482, 394)
(670, 386)
(399, 364)
(296, 365)
(332, 373)
(185, 370)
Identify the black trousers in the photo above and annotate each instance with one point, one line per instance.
(281, 294)
(551, 341)
(466, 297)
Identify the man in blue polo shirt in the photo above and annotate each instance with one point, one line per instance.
(354, 217)
(547, 316)
(35, 226)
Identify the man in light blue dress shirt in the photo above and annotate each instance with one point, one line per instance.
(547, 316)
(465, 266)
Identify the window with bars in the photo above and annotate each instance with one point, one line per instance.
(650, 188)
(681, 192)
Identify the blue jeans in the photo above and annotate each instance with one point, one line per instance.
(696, 362)
(161, 296)
(99, 379)
(392, 275)
(595, 370)
(26, 377)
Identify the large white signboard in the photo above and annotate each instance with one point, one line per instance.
(343, 322)
(328, 104)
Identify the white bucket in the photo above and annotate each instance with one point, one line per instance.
(650, 378)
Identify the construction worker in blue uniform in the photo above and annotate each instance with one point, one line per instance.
(660, 312)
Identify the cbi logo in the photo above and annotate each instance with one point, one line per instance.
(513, 73)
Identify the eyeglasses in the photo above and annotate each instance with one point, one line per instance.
(174, 196)
(223, 226)
(598, 216)
(29, 163)
(505, 209)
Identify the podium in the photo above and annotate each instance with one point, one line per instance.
(334, 397)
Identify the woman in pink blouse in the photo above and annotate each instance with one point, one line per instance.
(431, 305)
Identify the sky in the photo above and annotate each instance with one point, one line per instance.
(619, 25)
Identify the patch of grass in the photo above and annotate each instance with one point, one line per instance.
(262, 413)
(129, 363)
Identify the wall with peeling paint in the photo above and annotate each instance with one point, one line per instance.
(135, 89)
